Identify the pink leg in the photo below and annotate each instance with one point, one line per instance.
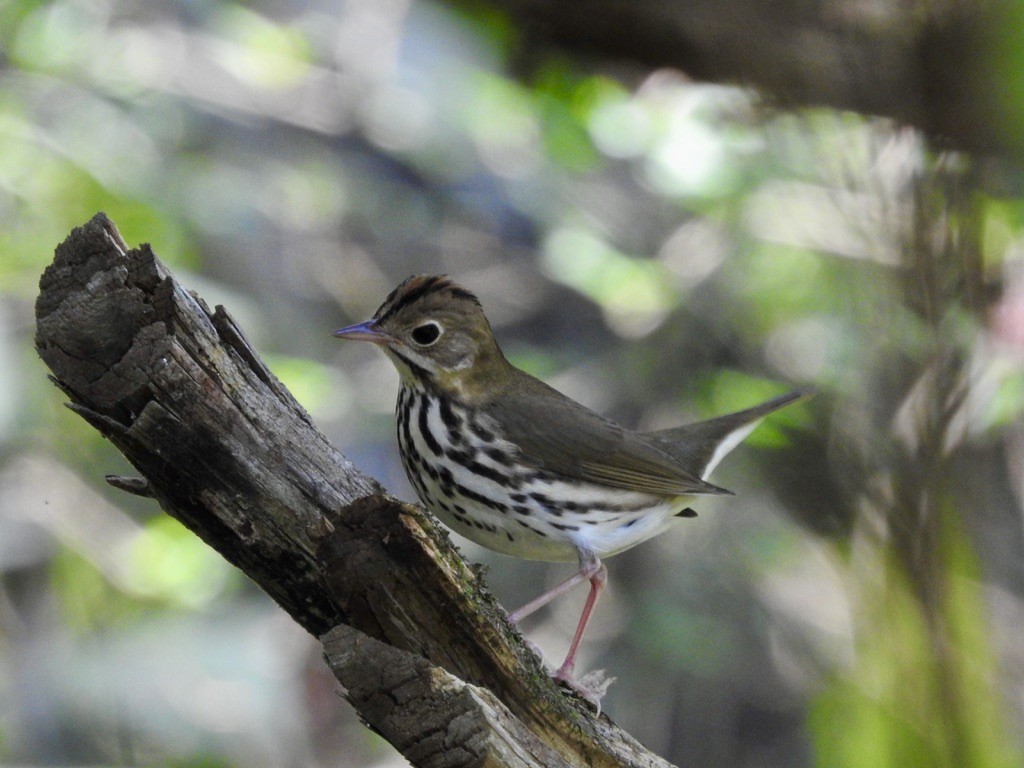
(598, 577)
(539, 602)
(592, 570)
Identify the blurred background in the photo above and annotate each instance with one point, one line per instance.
(658, 245)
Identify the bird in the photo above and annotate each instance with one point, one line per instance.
(513, 465)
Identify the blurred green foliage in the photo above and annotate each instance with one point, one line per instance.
(922, 695)
(656, 248)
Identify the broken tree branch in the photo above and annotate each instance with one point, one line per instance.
(425, 654)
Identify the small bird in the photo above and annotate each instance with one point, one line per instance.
(518, 467)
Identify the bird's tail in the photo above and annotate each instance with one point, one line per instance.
(700, 446)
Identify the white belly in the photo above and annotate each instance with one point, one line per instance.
(477, 492)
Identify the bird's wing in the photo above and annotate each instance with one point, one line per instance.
(561, 436)
(700, 446)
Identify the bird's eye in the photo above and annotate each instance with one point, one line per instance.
(426, 334)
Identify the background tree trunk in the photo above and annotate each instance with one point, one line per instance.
(944, 67)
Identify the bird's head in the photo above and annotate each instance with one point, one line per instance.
(436, 334)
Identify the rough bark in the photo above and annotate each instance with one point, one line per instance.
(430, 715)
(944, 66)
(424, 653)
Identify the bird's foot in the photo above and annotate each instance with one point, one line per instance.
(591, 686)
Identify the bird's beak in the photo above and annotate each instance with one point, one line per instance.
(366, 331)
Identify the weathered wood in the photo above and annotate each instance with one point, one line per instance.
(224, 448)
(433, 717)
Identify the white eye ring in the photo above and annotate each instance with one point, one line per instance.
(426, 334)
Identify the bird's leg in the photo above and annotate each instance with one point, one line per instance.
(594, 685)
(540, 601)
(592, 569)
